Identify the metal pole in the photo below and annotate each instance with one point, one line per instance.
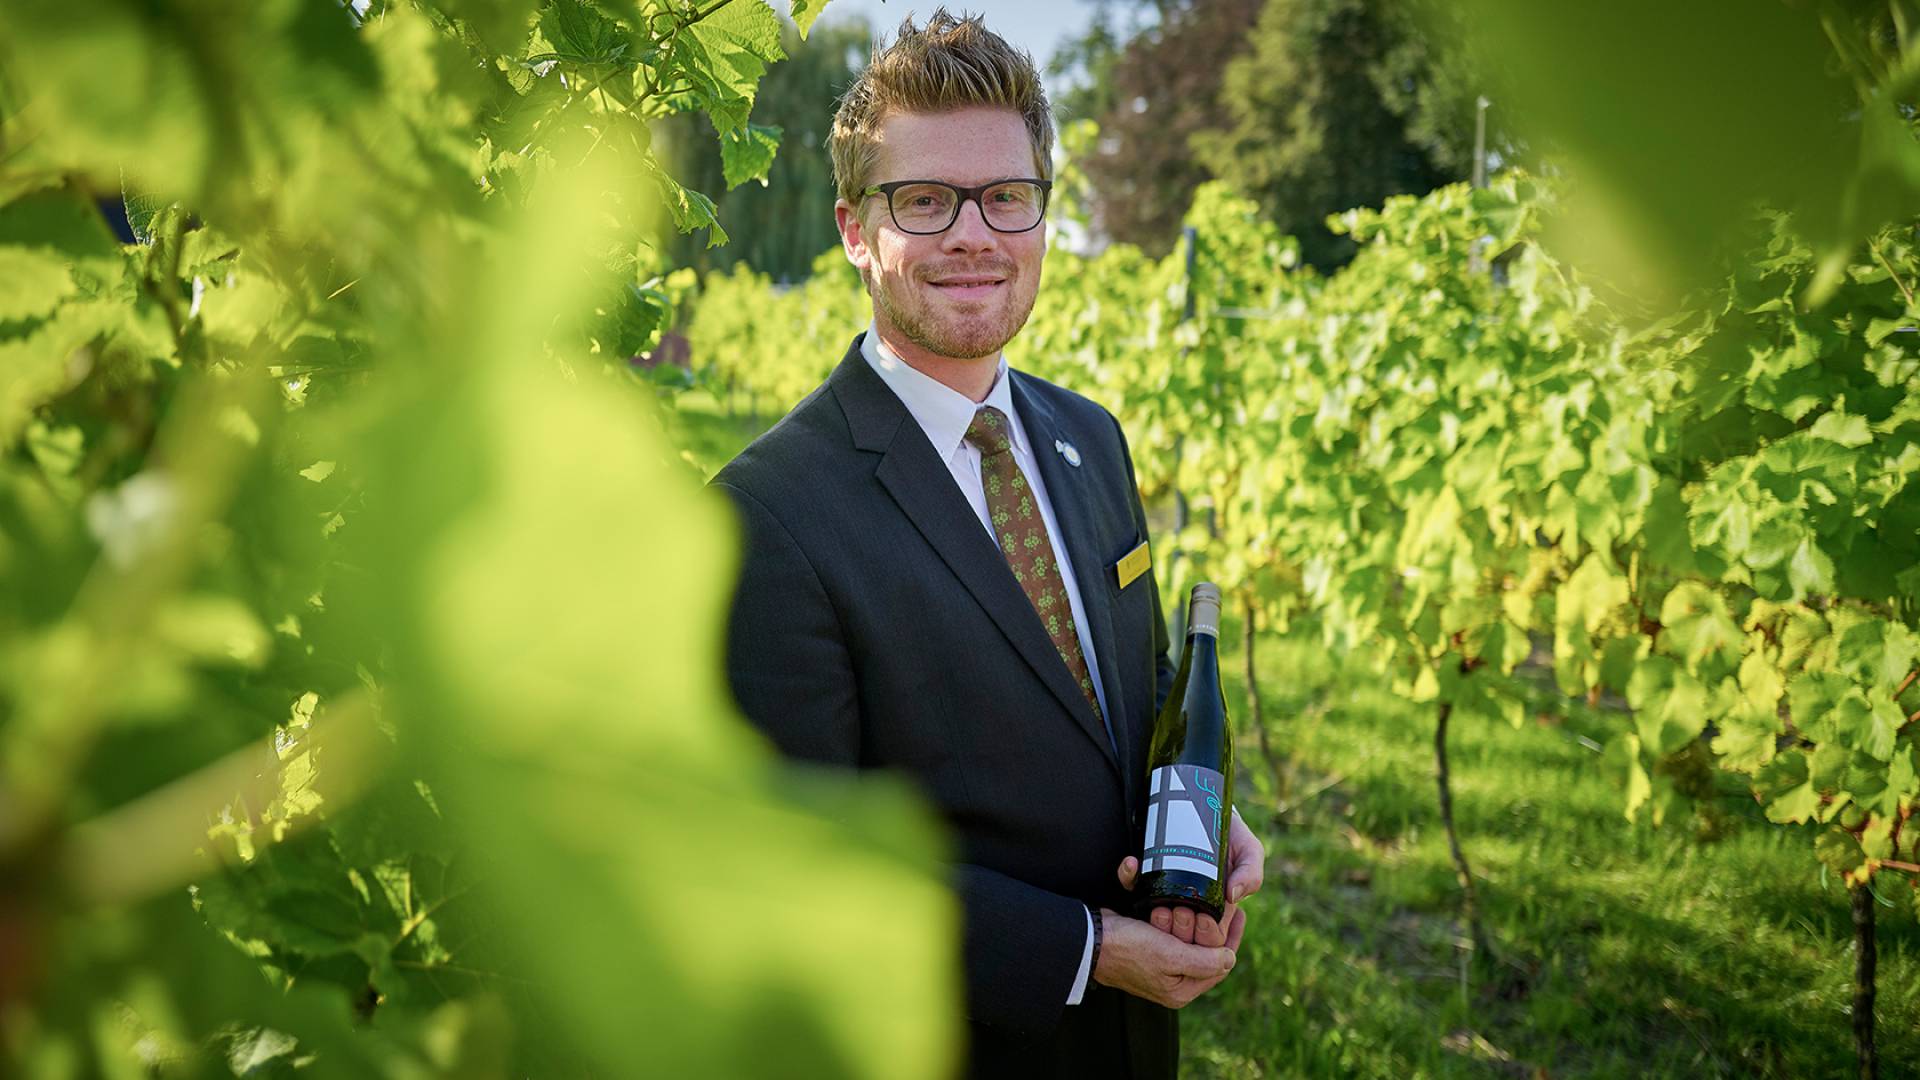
(1190, 239)
(1480, 142)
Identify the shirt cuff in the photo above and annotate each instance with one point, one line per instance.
(1086, 960)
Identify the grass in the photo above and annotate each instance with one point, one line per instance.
(1706, 948)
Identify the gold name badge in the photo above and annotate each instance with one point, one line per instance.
(1132, 565)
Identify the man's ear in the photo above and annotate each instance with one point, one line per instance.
(853, 235)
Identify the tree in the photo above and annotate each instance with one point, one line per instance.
(1338, 104)
(1162, 89)
(1310, 106)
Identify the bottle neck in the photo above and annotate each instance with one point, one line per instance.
(1202, 659)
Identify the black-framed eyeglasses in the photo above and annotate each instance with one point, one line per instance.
(925, 207)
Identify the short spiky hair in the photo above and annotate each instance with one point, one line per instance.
(954, 63)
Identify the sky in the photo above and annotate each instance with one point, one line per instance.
(1038, 26)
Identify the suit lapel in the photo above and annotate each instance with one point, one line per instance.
(1073, 511)
(921, 484)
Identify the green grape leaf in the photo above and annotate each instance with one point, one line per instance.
(1589, 596)
(747, 153)
(214, 628)
(34, 368)
(1802, 634)
(32, 282)
(690, 209)
(803, 13)
(142, 210)
(1787, 790)
(1500, 643)
(1775, 537)
(1670, 705)
(1838, 851)
(1722, 519)
(1622, 758)
(1877, 840)
(1879, 785)
(1761, 683)
(1810, 571)
(1802, 453)
(1699, 629)
(1878, 330)
(1843, 428)
(1877, 653)
(1883, 721)
(1433, 522)
(725, 55)
(1620, 656)
(1812, 697)
(580, 34)
(1667, 532)
(66, 223)
(1743, 744)
(1902, 782)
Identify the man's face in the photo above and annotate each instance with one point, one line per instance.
(963, 293)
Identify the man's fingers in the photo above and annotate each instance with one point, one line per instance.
(1162, 920)
(1236, 929)
(1196, 987)
(1246, 877)
(1183, 924)
(1249, 861)
(1242, 885)
(1129, 870)
(1209, 932)
(1203, 963)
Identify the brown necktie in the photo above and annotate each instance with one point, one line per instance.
(1023, 540)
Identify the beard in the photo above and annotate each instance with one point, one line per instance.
(960, 334)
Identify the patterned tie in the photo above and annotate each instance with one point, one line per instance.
(1023, 540)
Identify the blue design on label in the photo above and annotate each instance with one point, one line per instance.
(1183, 821)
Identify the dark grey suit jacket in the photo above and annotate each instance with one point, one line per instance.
(877, 625)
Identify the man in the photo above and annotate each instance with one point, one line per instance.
(931, 583)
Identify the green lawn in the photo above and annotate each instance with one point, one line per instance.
(1706, 948)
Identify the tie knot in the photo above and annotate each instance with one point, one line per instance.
(989, 431)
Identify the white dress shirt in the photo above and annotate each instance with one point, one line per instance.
(945, 414)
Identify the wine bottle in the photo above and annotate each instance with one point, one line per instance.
(1183, 859)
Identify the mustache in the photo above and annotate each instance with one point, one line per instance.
(1004, 268)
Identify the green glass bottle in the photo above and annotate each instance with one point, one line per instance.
(1183, 859)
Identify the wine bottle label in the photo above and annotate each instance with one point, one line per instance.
(1186, 817)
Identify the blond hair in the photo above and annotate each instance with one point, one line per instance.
(954, 63)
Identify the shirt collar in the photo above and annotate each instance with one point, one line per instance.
(942, 412)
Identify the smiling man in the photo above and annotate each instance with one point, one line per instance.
(932, 579)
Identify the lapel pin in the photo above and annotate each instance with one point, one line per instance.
(1067, 451)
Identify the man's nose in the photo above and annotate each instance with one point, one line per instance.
(969, 231)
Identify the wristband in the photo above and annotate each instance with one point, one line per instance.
(1093, 963)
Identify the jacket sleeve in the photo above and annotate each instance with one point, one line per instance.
(792, 673)
(787, 659)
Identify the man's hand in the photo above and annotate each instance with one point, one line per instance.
(1246, 870)
(1150, 964)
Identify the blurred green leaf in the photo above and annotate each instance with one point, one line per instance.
(31, 283)
(1675, 128)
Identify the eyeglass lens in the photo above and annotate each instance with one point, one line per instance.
(929, 208)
